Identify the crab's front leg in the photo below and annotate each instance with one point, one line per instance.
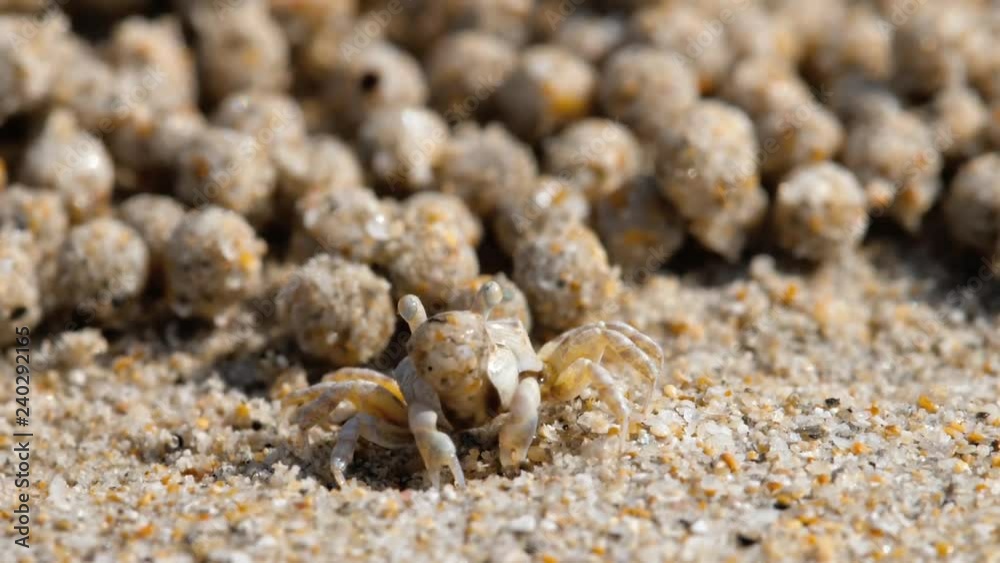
(436, 448)
(571, 381)
(519, 430)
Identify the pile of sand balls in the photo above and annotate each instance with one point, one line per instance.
(707, 167)
(339, 310)
(174, 155)
(212, 260)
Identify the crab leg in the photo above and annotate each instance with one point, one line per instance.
(590, 341)
(342, 413)
(375, 430)
(436, 448)
(574, 379)
(343, 449)
(648, 345)
(319, 414)
(518, 431)
(385, 434)
(652, 351)
(311, 413)
(319, 400)
(581, 342)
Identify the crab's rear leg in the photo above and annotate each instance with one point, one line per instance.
(343, 449)
(342, 413)
(436, 448)
(519, 430)
(319, 401)
(570, 382)
(374, 430)
(590, 341)
(651, 349)
(370, 404)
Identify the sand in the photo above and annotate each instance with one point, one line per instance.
(843, 413)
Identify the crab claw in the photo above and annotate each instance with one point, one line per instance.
(519, 430)
(436, 448)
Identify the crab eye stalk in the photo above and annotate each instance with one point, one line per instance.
(412, 311)
(489, 296)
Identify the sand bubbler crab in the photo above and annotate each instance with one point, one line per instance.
(462, 371)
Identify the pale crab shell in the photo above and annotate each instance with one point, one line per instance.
(510, 354)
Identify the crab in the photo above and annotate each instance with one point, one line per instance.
(463, 370)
